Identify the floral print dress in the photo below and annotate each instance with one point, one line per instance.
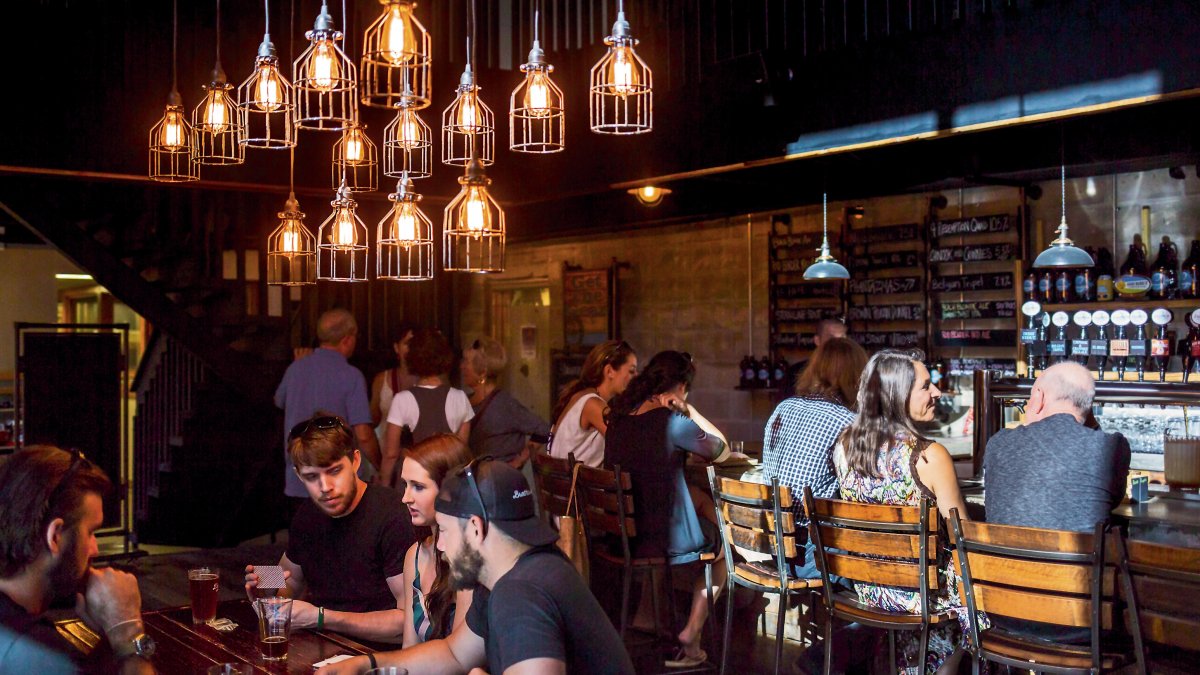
(900, 485)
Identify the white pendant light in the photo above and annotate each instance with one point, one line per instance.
(825, 266)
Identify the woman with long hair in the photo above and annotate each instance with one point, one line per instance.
(502, 427)
(388, 383)
(651, 432)
(433, 608)
(802, 430)
(881, 458)
(579, 424)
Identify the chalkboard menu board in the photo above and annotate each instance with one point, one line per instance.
(796, 304)
(587, 307)
(887, 307)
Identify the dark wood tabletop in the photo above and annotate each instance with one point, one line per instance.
(1161, 510)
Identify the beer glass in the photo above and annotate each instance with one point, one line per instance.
(274, 627)
(203, 583)
(1181, 458)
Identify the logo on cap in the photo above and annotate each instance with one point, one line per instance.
(517, 494)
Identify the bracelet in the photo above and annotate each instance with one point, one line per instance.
(371, 658)
(121, 623)
(320, 618)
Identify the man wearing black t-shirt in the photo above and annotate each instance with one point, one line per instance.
(345, 554)
(532, 613)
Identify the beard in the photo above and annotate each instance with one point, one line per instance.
(66, 578)
(465, 569)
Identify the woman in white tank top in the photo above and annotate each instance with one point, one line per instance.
(579, 414)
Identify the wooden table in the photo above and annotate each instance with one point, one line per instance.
(1165, 520)
(189, 649)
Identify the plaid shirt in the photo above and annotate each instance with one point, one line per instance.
(797, 442)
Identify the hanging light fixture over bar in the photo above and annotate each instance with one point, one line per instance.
(536, 121)
(1062, 252)
(356, 161)
(407, 141)
(324, 80)
(468, 125)
(825, 266)
(404, 242)
(291, 248)
(622, 86)
(171, 140)
(396, 58)
(265, 107)
(216, 124)
(342, 242)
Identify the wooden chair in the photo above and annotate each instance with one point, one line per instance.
(1162, 585)
(553, 479)
(1031, 574)
(758, 518)
(876, 544)
(608, 509)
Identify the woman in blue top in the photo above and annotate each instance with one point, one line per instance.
(433, 609)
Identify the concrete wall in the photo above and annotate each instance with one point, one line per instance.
(27, 293)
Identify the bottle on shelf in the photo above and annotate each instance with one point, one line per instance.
(1085, 281)
(1135, 260)
(1064, 286)
(1030, 287)
(1134, 278)
(763, 372)
(748, 375)
(1045, 286)
(1189, 273)
(1104, 275)
(779, 373)
(1192, 355)
(1164, 273)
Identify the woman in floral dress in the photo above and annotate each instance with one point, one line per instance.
(882, 459)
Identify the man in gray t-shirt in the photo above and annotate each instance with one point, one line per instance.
(1055, 472)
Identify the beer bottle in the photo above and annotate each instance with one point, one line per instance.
(1104, 275)
(1085, 280)
(1164, 272)
(1189, 282)
(1030, 287)
(747, 370)
(764, 373)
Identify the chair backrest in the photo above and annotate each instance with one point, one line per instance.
(1163, 585)
(607, 502)
(1051, 576)
(756, 517)
(553, 478)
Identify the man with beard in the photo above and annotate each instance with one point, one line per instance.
(50, 508)
(532, 614)
(346, 545)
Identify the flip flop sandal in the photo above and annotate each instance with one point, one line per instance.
(682, 660)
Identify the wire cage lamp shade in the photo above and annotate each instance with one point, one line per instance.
(825, 266)
(171, 146)
(407, 145)
(324, 79)
(468, 126)
(291, 249)
(404, 240)
(621, 96)
(356, 161)
(266, 105)
(473, 231)
(216, 125)
(536, 119)
(1063, 252)
(342, 248)
(396, 58)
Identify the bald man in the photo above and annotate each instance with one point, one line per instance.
(1055, 472)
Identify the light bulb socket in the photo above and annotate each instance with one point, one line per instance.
(174, 99)
(474, 174)
(291, 206)
(404, 191)
(324, 22)
(620, 27)
(266, 48)
(218, 76)
(537, 56)
(467, 80)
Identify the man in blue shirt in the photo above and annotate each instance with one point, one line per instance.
(324, 382)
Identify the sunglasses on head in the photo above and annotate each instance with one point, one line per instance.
(468, 471)
(77, 461)
(320, 423)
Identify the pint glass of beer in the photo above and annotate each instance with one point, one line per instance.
(1181, 459)
(274, 627)
(203, 585)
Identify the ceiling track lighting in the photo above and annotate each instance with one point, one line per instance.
(342, 242)
(404, 239)
(407, 143)
(172, 148)
(356, 161)
(216, 125)
(324, 79)
(536, 121)
(396, 58)
(621, 99)
(265, 100)
(825, 267)
(1062, 252)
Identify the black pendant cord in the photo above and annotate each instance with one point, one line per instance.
(267, 19)
(175, 46)
(292, 38)
(218, 68)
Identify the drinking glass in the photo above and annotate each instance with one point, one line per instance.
(274, 627)
(388, 670)
(203, 583)
(231, 669)
(1181, 458)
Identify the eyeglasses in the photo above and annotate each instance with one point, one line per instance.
(321, 423)
(469, 472)
(77, 461)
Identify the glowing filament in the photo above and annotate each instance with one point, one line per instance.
(323, 67)
(468, 118)
(289, 241)
(404, 225)
(649, 193)
(172, 134)
(410, 131)
(398, 42)
(537, 94)
(353, 147)
(623, 73)
(215, 118)
(268, 88)
(345, 233)
(477, 215)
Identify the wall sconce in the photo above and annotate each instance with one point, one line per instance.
(649, 195)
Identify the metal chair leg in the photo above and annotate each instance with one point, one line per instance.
(779, 630)
(626, 583)
(654, 600)
(727, 632)
(829, 643)
(924, 643)
(712, 604)
(892, 650)
(974, 665)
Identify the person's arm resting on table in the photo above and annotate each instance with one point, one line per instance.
(385, 625)
(460, 652)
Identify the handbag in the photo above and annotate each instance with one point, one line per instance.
(571, 538)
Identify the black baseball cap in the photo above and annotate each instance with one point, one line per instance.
(507, 501)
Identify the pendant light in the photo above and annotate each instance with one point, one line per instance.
(171, 140)
(825, 266)
(404, 241)
(291, 248)
(396, 58)
(536, 121)
(622, 86)
(216, 124)
(324, 79)
(407, 141)
(1062, 252)
(473, 231)
(649, 195)
(265, 106)
(342, 242)
(468, 125)
(356, 161)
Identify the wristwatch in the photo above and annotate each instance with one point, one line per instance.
(141, 645)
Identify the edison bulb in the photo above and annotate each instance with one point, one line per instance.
(215, 118)
(537, 94)
(268, 88)
(468, 115)
(173, 134)
(478, 216)
(398, 40)
(623, 73)
(404, 225)
(289, 241)
(352, 147)
(409, 135)
(323, 67)
(649, 193)
(345, 232)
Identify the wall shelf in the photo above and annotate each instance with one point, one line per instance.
(1123, 303)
